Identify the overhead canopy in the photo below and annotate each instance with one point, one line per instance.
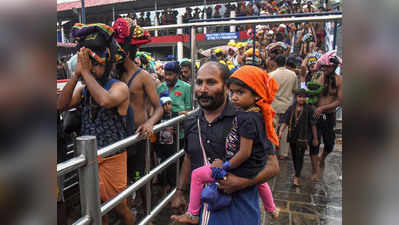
(64, 10)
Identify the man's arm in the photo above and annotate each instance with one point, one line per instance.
(304, 65)
(68, 97)
(234, 183)
(107, 99)
(178, 201)
(152, 94)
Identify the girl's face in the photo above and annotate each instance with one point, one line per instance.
(167, 107)
(300, 99)
(241, 97)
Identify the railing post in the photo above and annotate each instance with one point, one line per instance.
(177, 150)
(147, 171)
(254, 45)
(193, 65)
(335, 36)
(88, 179)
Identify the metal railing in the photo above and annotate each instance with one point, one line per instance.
(86, 159)
(86, 163)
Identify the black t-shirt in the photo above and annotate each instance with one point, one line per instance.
(252, 126)
(299, 129)
(167, 135)
(213, 136)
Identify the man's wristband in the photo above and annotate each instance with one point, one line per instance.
(226, 165)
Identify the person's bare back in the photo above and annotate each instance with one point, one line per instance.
(138, 97)
(143, 94)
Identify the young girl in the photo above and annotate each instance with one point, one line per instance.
(249, 141)
(301, 130)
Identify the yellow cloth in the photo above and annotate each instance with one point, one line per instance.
(266, 87)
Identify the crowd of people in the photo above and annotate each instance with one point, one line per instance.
(257, 104)
(240, 9)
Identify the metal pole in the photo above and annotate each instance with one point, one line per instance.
(113, 12)
(147, 171)
(193, 59)
(205, 16)
(309, 19)
(138, 184)
(232, 15)
(83, 11)
(156, 18)
(71, 165)
(254, 47)
(179, 43)
(83, 221)
(177, 150)
(335, 35)
(88, 179)
(158, 208)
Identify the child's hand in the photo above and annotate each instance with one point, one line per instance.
(217, 163)
(183, 113)
(315, 142)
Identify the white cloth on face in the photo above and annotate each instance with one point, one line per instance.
(72, 62)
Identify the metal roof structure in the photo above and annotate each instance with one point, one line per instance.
(64, 9)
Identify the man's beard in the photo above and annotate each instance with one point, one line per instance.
(214, 102)
(171, 83)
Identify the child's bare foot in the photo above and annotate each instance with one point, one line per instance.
(296, 181)
(316, 175)
(186, 218)
(276, 213)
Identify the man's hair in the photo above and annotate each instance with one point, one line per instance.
(224, 70)
(279, 37)
(280, 60)
(240, 83)
(186, 63)
(292, 61)
(132, 49)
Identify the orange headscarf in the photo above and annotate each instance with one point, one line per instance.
(266, 87)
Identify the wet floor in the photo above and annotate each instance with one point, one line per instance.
(313, 203)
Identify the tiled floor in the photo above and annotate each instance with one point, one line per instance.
(313, 202)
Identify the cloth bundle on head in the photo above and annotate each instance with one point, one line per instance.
(329, 59)
(241, 45)
(232, 43)
(266, 88)
(126, 33)
(249, 57)
(249, 52)
(172, 66)
(98, 38)
(219, 51)
(165, 100)
(313, 58)
(307, 37)
(185, 60)
(276, 45)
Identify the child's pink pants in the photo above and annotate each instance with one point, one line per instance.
(202, 175)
